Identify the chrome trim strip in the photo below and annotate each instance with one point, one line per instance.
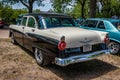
(79, 58)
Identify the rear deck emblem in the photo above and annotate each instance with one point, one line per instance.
(86, 40)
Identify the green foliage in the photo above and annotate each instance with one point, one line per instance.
(110, 8)
(115, 5)
(6, 11)
(17, 12)
(37, 11)
(76, 12)
(60, 6)
(8, 14)
(77, 9)
(27, 3)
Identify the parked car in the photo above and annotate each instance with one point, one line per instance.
(2, 23)
(80, 20)
(112, 26)
(54, 38)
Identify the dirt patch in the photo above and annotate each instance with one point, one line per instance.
(16, 63)
(4, 33)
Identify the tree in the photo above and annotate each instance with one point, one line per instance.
(27, 3)
(110, 7)
(82, 2)
(17, 12)
(5, 11)
(60, 5)
(8, 14)
(93, 8)
(36, 10)
(77, 11)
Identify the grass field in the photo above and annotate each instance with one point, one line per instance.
(16, 63)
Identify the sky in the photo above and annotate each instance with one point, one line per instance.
(47, 6)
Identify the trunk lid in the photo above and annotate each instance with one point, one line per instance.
(77, 37)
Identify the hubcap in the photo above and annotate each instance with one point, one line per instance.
(12, 39)
(38, 55)
(114, 47)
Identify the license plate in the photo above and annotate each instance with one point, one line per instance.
(87, 48)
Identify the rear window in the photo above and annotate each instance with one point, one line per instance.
(59, 22)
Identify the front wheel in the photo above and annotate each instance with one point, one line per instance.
(114, 47)
(13, 39)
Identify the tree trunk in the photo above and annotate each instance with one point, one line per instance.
(93, 8)
(82, 13)
(29, 5)
(30, 8)
(82, 2)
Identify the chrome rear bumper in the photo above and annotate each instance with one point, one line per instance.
(79, 58)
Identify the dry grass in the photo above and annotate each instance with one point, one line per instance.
(17, 63)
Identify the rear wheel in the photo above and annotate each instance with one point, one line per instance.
(114, 47)
(40, 57)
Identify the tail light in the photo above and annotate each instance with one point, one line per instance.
(106, 39)
(62, 44)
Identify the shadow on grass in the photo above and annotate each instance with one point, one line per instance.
(118, 55)
(82, 71)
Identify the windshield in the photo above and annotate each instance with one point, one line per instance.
(59, 22)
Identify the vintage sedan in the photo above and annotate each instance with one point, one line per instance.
(55, 38)
(112, 26)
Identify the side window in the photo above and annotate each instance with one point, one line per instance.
(101, 25)
(31, 23)
(40, 23)
(90, 23)
(24, 21)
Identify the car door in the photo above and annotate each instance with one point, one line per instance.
(29, 32)
(20, 31)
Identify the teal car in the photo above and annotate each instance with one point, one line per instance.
(112, 26)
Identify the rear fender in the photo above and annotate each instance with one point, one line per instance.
(48, 54)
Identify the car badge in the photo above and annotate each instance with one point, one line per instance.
(86, 40)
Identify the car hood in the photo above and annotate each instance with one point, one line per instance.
(76, 37)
